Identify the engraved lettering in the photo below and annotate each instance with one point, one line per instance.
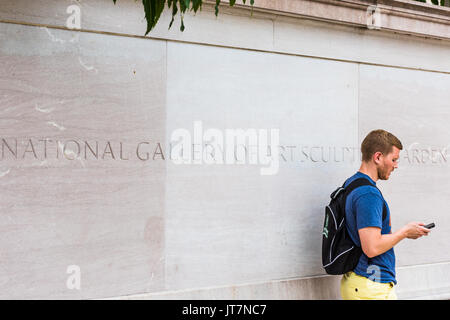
(281, 153)
(407, 156)
(291, 152)
(424, 160)
(138, 154)
(197, 150)
(4, 143)
(108, 147)
(45, 146)
(416, 155)
(158, 147)
(310, 154)
(30, 144)
(121, 155)
(68, 152)
(443, 155)
(88, 146)
(323, 159)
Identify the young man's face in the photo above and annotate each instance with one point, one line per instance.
(388, 163)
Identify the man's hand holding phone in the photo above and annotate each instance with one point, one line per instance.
(415, 230)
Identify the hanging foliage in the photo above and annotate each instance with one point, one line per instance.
(154, 8)
(436, 2)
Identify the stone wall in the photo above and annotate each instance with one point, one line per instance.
(90, 185)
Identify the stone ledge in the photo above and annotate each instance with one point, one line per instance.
(312, 288)
(402, 16)
(414, 282)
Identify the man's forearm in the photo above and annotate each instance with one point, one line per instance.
(386, 242)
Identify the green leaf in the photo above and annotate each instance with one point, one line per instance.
(182, 6)
(153, 10)
(196, 4)
(217, 7)
(174, 12)
(148, 14)
(182, 24)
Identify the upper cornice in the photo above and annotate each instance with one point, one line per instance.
(401, 16)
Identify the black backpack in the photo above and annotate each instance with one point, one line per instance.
(339, 254)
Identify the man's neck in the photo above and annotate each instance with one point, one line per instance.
(369, 170)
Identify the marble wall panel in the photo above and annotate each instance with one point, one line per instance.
(413, 105)
(227, 223)
(63, 203)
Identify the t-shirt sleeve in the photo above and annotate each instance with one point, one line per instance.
(369, 211)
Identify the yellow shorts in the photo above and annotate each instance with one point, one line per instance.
(356, 287)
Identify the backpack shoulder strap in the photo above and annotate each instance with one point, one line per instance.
(357, 183)
(363, 182)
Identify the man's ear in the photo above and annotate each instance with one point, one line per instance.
(377, 157)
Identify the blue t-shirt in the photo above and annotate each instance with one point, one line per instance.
(364, 208)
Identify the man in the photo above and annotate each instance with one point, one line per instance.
(374, 275)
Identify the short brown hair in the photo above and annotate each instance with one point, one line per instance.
(378, 141)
